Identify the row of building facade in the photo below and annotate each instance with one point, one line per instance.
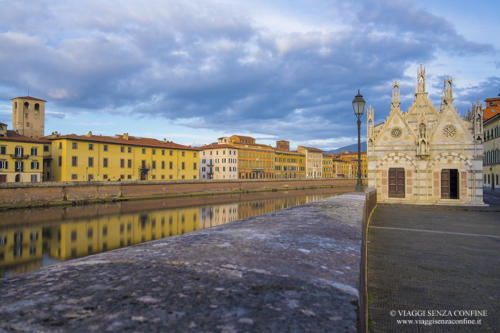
(26, 155)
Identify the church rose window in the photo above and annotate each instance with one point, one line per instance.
(396, 132)
(449, 131)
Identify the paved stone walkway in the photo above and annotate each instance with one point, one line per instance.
(429, 258)
(294, 270)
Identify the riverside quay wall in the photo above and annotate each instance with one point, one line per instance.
(42, 194)
(300, 269)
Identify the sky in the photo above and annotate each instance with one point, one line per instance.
(193, 71)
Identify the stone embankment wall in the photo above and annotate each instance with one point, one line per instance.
(34, 194)
(297, 269)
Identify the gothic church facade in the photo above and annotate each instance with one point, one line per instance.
(426, 155)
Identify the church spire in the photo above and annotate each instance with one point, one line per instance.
(395, 96)
(420, 80)
(447, 97)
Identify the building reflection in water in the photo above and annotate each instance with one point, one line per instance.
(23, 248)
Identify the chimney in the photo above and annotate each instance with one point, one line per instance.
(89, 134)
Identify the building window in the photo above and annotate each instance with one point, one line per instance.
(74, 161)
(19, 151)
(129, 149)
(163, 164)
(129, 176)
(60, 145)
(163, 152)
(144, 150)
(170, 153)
(74, 176)
(73, 236)
(35, 165)
(91, 162)
(91, 146)
(153, 165)
(183, 153)
(170, 165)
(122, 163)
(34, 178)
(183, 165)
(45, 148)
(59, 161)
(122, 149)
(170, 177)
(194, 154)
(153, 151)
(105, 163)
(4, 164)
(74, 145)
(104, 230)
(91, 177)
(3, 150)
(105, 176)
(34, 151)
(129, 164)
(194, 166)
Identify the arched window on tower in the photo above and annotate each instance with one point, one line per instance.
(26, 108)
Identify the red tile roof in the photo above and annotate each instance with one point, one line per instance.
(14, 136)
(492, 108)
(217, 146)
(30, 98)
(132, 140)
(312, 149)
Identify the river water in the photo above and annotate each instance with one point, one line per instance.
(34, 238)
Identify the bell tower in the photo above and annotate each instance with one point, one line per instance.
(28, 116)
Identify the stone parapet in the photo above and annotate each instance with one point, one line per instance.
(298, 269)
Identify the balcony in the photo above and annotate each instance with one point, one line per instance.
(19, 156)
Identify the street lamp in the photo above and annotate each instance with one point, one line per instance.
(358, 104)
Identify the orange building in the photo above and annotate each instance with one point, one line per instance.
(255, 161)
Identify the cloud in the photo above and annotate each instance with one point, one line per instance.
(215, 65)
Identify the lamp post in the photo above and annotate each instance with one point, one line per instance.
(358, 104)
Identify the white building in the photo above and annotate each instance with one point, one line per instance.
(218, 161)
(426, 155)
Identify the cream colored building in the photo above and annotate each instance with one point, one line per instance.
(28, 116)
(491, 160)
(218, 161)
(314, 161)
(426, 155)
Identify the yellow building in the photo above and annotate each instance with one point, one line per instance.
(20, 249)
(352, 157)
(288, 164)
(21, 157)
(255, 161)
(491, 144)
(329, 170)
(81, 238)
(122, 157)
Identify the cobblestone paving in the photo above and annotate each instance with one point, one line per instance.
(427, 258)
(295, 270)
